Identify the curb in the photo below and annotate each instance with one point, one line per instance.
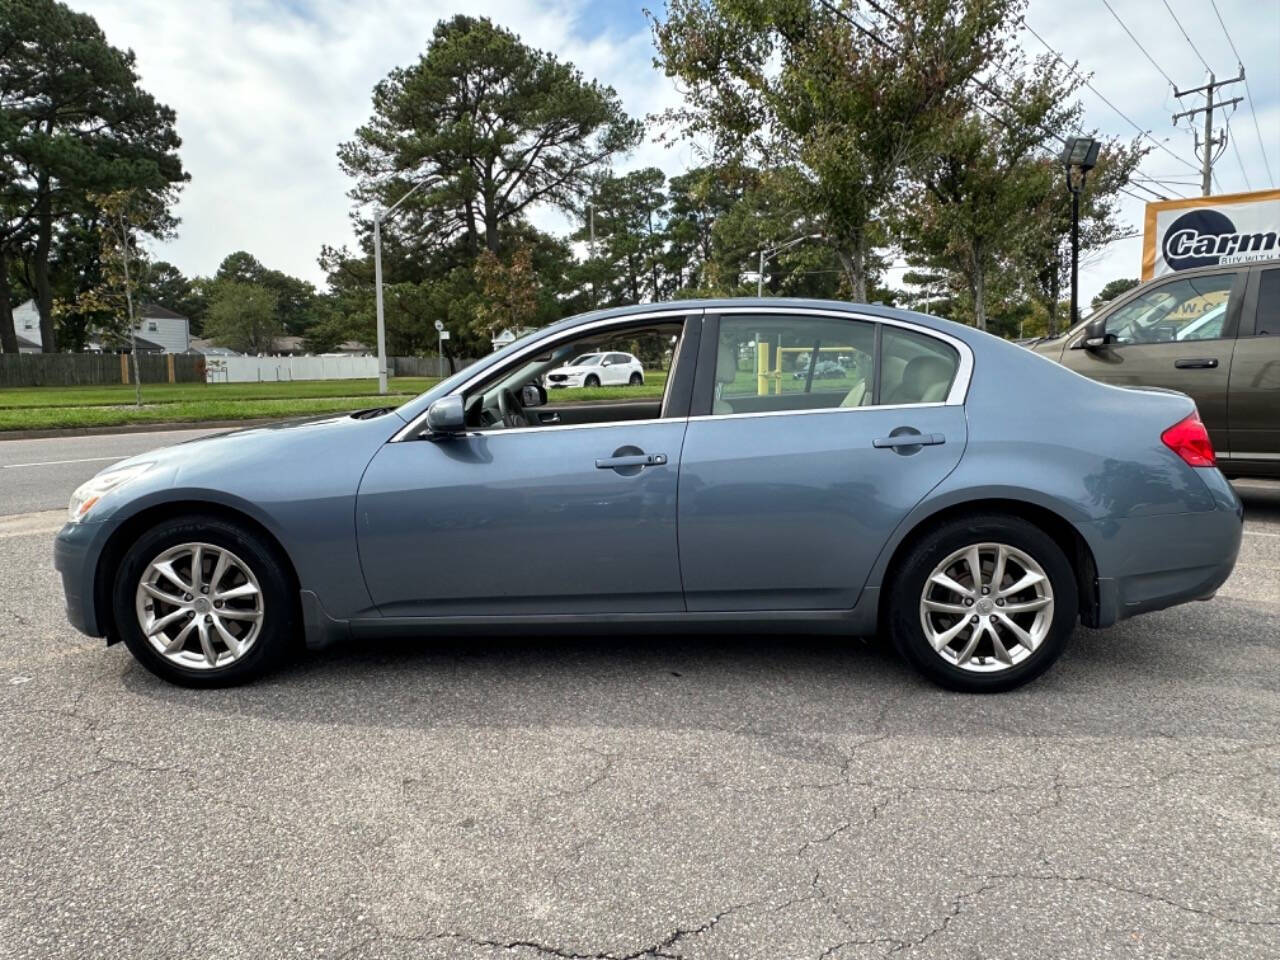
(156, 427)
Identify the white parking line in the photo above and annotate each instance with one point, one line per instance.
(50, 463)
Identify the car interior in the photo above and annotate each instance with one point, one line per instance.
(913, 368)
(515, 397)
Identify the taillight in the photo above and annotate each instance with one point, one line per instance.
(1190, 440)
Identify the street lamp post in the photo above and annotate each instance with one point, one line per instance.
(1079, 156)
(379, 216)
(768, 253)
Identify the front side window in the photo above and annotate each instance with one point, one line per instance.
(576, 383)
(1191, 308)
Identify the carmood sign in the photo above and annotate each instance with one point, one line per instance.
(1204, 231)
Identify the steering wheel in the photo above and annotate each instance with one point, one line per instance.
(513, 414)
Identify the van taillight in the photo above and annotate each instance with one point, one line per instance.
(1190, 440)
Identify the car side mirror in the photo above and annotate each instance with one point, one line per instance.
(1095, 335)
(446, 416)
(606, 363)
(532, 395)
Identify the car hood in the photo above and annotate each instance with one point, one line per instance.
(571, 370)
(239, 463)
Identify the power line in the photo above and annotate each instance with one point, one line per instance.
(1186, 35)
(1248, 94)
(1085, 81)
(1235, 147)
(1140, 46)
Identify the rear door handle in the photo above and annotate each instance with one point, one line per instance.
(909, 440)
(632, 460)
(1197, 363)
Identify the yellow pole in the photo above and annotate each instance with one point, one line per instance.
(124, 368)
(169, 357)
(777, 374)
(762, 368)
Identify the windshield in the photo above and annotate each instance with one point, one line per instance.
(586, 359)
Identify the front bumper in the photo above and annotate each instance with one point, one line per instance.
(75, 556)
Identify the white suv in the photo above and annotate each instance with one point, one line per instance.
(597, 370)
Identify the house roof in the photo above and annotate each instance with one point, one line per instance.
(24, 343)
(153, 311)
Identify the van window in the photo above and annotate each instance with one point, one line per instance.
(1189, 308)
(1268, 304)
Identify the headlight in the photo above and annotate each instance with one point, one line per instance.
(91, 491)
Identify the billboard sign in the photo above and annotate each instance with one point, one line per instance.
(1206, 231)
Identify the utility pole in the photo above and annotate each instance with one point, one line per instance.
(1206, 147)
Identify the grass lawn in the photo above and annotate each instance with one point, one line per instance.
(49, 408)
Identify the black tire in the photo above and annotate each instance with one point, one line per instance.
(591, 381)
(279, 631)
(908, 587)
(637, 379)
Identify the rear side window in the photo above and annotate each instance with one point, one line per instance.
(1268, 303)
(773, 363)
(915, 368)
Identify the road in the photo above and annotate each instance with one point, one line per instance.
(705, 798)
(40, 474)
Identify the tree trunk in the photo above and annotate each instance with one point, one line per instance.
(978, 290)
(854, 260)
(1054, 290)
(8, 335)
(40, 268)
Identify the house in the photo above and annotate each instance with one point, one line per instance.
(206, 347)
(26, 324)
(508, 335)
(159, 330)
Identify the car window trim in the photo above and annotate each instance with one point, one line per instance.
(413, 430)
(705, 390)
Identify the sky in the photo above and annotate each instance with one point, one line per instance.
(265, 90)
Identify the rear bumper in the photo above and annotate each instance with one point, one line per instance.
(75, 556)
(1150, 563)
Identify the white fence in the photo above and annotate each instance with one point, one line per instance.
(272, 369)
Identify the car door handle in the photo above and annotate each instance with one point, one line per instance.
(909, 440)
(1197, 363)
(632, 460)
(548, 418)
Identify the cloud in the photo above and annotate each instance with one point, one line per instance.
(265, 91)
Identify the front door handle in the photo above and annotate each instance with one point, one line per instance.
(1197, 363)
(909, 440)
(632, 460)
(548, 417)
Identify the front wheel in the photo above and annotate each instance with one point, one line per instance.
(203, 602)
(591, 381)
(984, 605)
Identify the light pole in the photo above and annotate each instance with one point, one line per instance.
(1079, 156)
(378, 217)
(768, 253)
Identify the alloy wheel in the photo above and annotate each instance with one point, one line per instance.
(199, 606)
(987, 607)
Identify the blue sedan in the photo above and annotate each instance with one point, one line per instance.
(967, 497)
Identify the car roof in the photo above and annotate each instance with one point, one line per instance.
(729, 304)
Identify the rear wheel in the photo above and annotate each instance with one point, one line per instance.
(984, 604)
(637, 378)
(203, 602)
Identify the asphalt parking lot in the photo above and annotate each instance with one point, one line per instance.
(724, 797)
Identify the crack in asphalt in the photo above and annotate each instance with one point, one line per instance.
(1120, 888)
